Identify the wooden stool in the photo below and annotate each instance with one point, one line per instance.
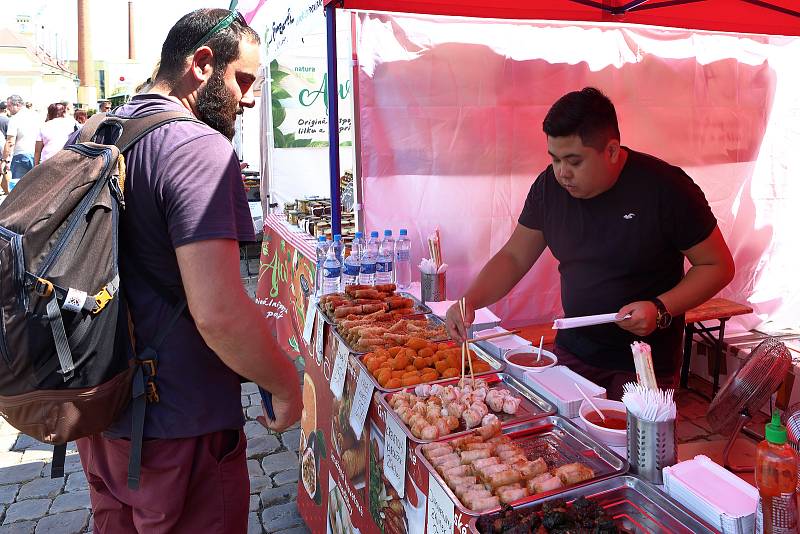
(716, 309)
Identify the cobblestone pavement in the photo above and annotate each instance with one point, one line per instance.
(33, 503)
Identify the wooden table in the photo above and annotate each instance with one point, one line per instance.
(717, 309)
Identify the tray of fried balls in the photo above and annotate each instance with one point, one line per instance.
(620, 504)
(420, 361)
(449, 408)
(491, 467)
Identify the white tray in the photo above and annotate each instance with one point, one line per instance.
(500, 346)
(557, 385)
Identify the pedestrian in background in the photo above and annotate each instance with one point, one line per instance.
(54, 132)
(5, 169)
(23, 127)
(80, 116)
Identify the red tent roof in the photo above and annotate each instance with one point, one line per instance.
(780, 17)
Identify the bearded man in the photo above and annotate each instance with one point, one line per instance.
(186, 210)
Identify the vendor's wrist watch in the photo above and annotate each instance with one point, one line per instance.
(664, 318)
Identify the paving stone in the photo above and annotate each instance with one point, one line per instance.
(255, 399)
(71, 501)
(41, 488)
(33, 455)
(25, 527)
(282, 461)
(255, 503)
(7, 441)
(280, 517)
(25, 510)
(8, 493)
(258, 446)
(286, 477)
(254, 524)
(26, 442)
(64, 523)
(258, 484)
(254, 429)
(291, 439)
(21, 472)
(248, 388)
(245, 401)
(279, 495)
(254, 411)
(8, 458)
(72, 464)
(76, 482)
(302, 529)
(254, 468)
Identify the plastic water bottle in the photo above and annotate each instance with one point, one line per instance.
(368, 261)
(402, 260)
(352, 264)
(384, 274)
(331, 274)
(338, 247)
(322, 252)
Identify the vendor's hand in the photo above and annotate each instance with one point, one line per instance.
(643, 315)
(287, 412)
(456, 328)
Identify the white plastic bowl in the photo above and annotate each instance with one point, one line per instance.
(608, 436)
(518, 371)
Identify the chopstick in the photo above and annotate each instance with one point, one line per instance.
(465, 352)
(493, 336)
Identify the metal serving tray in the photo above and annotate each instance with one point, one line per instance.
(635, 505)
(533, 406)
(419, 307)
(556, 440)
(496, 366)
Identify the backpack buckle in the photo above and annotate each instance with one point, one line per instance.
(148, 366)
(152, 392)
(42, 287)
(101, 299)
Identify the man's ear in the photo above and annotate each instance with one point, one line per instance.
(202, 64)
(613, 150)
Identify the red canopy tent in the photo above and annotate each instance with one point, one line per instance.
(778, 17)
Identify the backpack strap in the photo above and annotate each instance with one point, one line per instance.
(90, 127)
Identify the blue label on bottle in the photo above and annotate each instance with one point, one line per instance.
(368, 268)
(333, 272)
(351, 270)
(387, 266)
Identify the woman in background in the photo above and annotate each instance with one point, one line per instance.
(54, 132)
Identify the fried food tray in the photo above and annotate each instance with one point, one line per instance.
(533, 406)
(496, 366)
(419, 307)
(556, 440)
(635, 505)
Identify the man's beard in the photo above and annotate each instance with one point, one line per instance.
(217, 107)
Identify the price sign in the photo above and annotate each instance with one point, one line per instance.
(320, 344)
(339, 372)
(441, 518)
(394, 455)
(311, 314)
(361, 401)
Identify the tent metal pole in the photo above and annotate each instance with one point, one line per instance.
(333, 120)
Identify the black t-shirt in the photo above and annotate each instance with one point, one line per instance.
(621, 246)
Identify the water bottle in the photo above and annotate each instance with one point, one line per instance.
(338, 247)
(331, 274)
(368, 261)
(322, 252)
(352, 264)
(384, 273)
(402, 260)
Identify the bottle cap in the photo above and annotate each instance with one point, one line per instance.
(373, 234)
(359, 235)
(321, 239)
(774, 431)
(337, 237)
(403, 231)
(387, 233)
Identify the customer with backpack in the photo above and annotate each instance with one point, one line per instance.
(185, 213)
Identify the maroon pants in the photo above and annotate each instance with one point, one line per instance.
(187, 485)
(611, 379)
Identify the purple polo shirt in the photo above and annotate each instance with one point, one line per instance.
(183, 185)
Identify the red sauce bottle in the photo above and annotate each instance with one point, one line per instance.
(776, 479)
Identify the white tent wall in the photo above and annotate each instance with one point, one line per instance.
(451, 113)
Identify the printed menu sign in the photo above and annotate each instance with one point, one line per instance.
(320, 345)
(394, 455)
(441, 510)
(361, 401)
(311, 314)
(339, 372)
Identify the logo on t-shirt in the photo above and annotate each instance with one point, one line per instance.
(629, 216)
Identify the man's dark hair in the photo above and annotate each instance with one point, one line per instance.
(182, 41)
(587, 113)
(3, 105)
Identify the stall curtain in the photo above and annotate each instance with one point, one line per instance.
(451, 113)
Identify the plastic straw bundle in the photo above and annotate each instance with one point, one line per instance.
(649, 404)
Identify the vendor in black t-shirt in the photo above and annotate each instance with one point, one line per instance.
(620, 223)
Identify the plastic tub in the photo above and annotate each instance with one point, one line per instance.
(518, 370)
(608, 436)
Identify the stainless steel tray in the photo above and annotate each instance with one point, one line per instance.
(556, 440)
(635, 505)
(496, 366)
(533, 406)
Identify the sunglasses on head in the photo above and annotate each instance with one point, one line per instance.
(221, 25)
